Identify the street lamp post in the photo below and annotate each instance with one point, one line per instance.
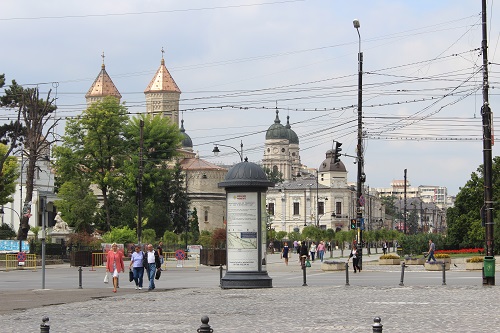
(360, 176)
(216, 150)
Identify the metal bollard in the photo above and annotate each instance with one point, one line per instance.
(80, 277)
(44, 326)
(444, 274)
(204, 325)
(402, 274)
(346, 274)
(377, 327)
(304, 275)
(220, 276)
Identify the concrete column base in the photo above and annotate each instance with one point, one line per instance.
(246, 280)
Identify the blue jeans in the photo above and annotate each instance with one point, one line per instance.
(431, 256)
(138, 276)
(321, 255)
(152, 272)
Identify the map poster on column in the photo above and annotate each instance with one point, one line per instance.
(242, 232)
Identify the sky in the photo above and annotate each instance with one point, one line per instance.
(237, 61)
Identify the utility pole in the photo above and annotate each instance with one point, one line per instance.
(139, 182)
(404, 224)
(487, 117)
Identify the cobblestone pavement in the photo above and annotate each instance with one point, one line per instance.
(340, 308)
(297, 309)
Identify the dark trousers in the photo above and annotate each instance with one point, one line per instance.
(355, 264)
(138, 276)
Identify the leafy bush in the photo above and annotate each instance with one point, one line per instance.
(441, 255)
(120, 236)
(475, 259)
(6, 231)
(389, 256)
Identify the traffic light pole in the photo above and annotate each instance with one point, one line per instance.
(360, 177)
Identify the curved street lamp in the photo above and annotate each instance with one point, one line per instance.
(216, 150)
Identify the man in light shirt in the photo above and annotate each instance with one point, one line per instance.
(153, 265)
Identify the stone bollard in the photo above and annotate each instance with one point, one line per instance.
(44, 326)
(402, 274)
(377, 326)
(346, 274)
(204, 326)
(80, 277)
(444, 274)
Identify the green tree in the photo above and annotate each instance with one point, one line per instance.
(95, 148)
(78, 204)
(120, 236)
(464, 219)
(163, 186)
(8, 176)
(280, 235)
(148, 236)
(274, 176)
(171, 239)
(35, 114)
(342, 237)
(205, 239)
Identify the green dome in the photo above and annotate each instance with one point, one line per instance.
(276, 130)
(294, 139)
(186, 139)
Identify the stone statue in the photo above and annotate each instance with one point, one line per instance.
(60, 224)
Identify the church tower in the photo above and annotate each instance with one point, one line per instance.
(102, 87)
(163, 94)
(277, 150)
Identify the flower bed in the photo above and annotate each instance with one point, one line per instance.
(474, 263)
(461, 251)
(414, 261)
(389, 259)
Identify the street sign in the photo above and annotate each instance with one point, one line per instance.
(21, 256)
(361, 200)
(180, 255)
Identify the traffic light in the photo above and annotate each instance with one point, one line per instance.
(353, 224)
(336, 156)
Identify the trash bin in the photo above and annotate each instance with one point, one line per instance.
(489, 266)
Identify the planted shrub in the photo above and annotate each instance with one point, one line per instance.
(474, 259)
(441, 255)
(389, 256)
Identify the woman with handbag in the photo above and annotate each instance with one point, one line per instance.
(115, 264)
(136, 265)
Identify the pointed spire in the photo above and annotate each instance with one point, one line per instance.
(288, 122)
(162, 81)
(182, 126)
(103, 86)
(277, 120)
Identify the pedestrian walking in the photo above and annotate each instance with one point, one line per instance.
(355, 259)
(432, 248)
(284, 253)
(312, 250)
(304, 254)
(321, 250)
(153, 260)
(384, 247)
(296, 246)
(160, 252)
(137, 266)
(114, 264)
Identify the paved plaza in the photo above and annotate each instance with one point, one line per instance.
(327, 304)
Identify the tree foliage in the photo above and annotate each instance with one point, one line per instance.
(464, 219)
(120, 236)
(8, 176)
(274, 176)
(34, 123)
